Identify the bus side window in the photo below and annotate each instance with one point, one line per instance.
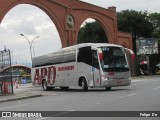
(85, 55)
(95, 62)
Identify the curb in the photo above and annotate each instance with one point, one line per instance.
(20, 98)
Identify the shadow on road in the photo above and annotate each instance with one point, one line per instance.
(89, 90)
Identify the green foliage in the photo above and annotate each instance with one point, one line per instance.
(93, 33)
(23, 73)
(135, 22)
(154, 18)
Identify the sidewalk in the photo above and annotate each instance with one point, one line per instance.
(22, 92)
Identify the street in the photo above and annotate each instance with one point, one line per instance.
(142, 95)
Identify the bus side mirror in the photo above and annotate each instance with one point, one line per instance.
(101, 56)
(100, 53)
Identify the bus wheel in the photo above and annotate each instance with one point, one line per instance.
(84, 84)
(108, 88)
(44, 85)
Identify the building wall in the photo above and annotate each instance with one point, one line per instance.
(125, 39)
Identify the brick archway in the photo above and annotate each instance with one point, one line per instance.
(102, 23)
(68, 15)
(6, 5)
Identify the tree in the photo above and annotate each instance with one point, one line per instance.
(154, 18)
(135, 22)
(92, 32)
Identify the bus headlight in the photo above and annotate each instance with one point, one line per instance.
(104, 78)
(129, 78)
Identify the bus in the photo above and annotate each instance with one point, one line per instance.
(86, 65)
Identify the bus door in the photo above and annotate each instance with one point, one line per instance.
(96, 69)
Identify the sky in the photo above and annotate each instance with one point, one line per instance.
(32, 22)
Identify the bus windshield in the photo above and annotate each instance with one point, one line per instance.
(114, 59)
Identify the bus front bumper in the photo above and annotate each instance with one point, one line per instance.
(115, 82)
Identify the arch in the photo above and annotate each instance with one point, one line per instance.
(102, 23)
(18, 67)
(44, 8)
(125, 39)
(124, 44)
(106, 17)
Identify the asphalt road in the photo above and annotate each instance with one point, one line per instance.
(142, 95)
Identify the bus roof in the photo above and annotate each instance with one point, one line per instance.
(91, 44)
(98, 44)
(83, 45)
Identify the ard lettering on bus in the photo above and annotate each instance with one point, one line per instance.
(43, 73)
(36, 77)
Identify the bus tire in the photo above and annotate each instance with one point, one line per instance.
(45, 85)
(84, 84)
(108, 88)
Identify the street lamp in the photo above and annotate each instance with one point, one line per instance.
(33, 48)
(30, 43)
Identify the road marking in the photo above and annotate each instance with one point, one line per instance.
(127, 96)
(131, 95)
(71, 110)
(137, 80)
(14, 106)
(156, 88)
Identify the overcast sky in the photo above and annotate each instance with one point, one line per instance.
(32, 22)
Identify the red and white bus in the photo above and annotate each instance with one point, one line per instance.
(84, 65)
